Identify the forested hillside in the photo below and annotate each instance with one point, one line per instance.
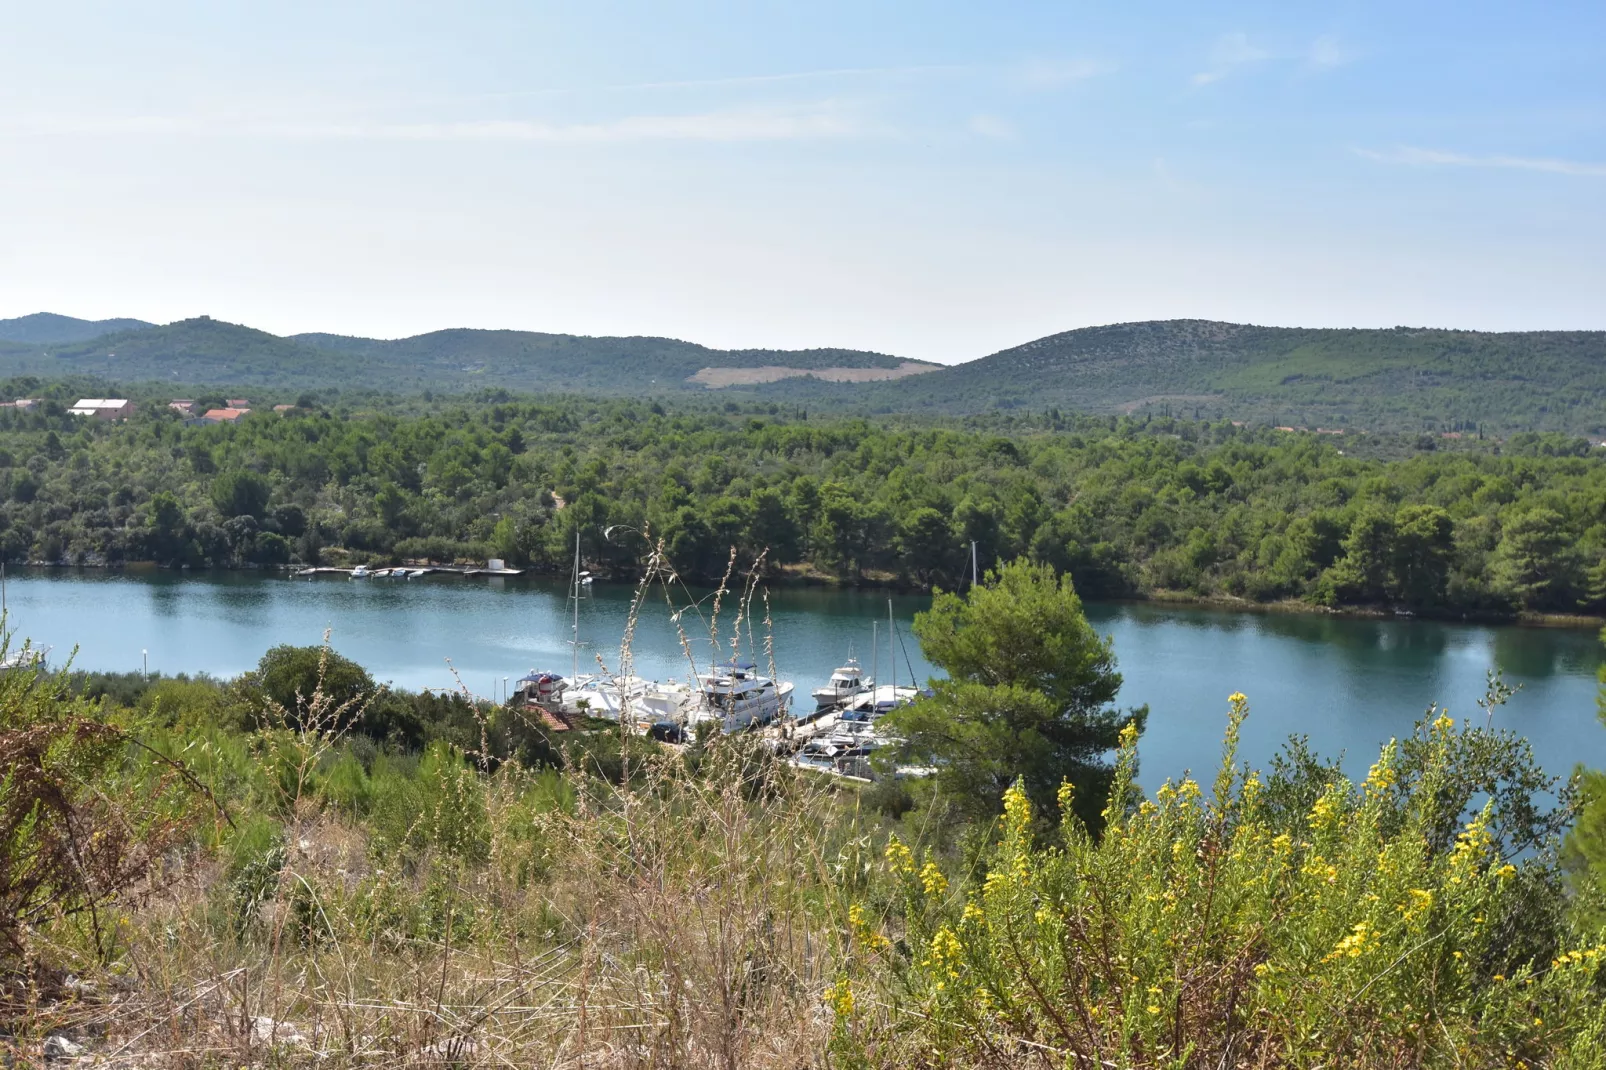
(49, 328)
(1128, 506)
(1400, 379)
(1379, 380)
(205, 351)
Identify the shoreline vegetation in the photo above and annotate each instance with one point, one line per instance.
(296, 868)
(1130, 506)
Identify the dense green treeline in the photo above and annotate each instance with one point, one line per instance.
(1127, 506)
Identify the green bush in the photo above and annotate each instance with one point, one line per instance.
(1213, 931)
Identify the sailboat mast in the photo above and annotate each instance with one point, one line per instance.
(892, 648)
(574, 592)
(875, 653)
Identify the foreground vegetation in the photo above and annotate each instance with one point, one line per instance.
(277, 870)
(1127, 507)
(352, 906)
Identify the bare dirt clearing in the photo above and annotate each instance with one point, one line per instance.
(719, 377)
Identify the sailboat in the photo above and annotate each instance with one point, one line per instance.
(574, 682)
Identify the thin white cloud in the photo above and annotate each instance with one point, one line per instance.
(824, 74)
(1327, 52)
(1419, 157)
(1230, 52)
(769, 124)
(1052, 74)
(991, 126)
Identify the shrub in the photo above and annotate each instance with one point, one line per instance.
(1207, 932)
(76, 832)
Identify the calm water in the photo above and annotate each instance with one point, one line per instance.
(1348, 684)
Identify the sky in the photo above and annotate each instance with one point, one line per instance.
(930, 179)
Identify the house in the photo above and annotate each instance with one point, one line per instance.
(182, 405)
(20, 403)
(284, 408)
(220, 416)
(239, 403)
(103, 408)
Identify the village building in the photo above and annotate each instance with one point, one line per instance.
(103, 408)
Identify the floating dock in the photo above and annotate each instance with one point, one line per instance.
(410, 571)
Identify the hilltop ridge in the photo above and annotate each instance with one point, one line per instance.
(1340, 378)
(45, 328)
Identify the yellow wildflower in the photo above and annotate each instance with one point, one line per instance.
(932, 880)
(839, 997)
(1237, 698)
(899, 857)
(1355, 944)
(1420, 903)
(1017, 808)
(1322, 814)
(864, 932)
(1066, 796)
(947, 954)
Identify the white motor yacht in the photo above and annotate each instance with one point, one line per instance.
(27, 657)
(875, 701)
(360, 572)
(645, 702)
(735, 697)
(847, 683)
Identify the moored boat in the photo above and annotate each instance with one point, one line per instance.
(846, 683)
(735, 697)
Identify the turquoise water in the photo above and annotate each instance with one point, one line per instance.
(1348, 684)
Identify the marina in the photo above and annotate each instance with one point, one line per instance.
(1347, 683)
(411, 572)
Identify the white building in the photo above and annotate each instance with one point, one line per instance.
(103, 408)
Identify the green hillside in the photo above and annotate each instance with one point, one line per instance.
(47, 328)
(206, 351)
(1399, 379)
(201, 350)
(527, 360)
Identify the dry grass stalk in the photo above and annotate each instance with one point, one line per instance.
(681, 919)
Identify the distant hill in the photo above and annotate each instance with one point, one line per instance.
(47, 328)
(531, 361)
(1396, 379)
(205, 351)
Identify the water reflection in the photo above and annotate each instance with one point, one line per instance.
(1542, 652)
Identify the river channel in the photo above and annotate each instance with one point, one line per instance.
(1349, 684)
